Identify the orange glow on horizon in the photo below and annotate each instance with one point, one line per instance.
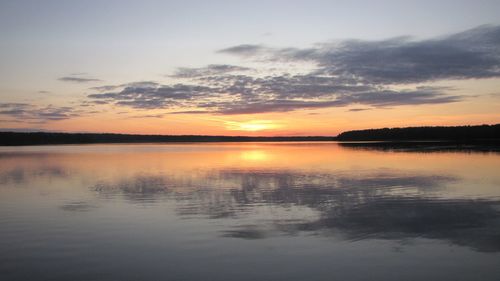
(252, 125)
(317, 122)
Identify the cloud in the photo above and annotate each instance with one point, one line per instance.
(212, 69)
(78, 78)
(23, 112)
(376, 74)
(244, 50)
(105, 88)
(358, 109)
(405, 97)
(147, 116)
(470, 54)
(241, 94)
(190, 112)
(375, 99)
(157, 96)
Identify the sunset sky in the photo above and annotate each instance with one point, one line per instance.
(247, 67)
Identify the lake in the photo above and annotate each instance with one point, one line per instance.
(248, 211)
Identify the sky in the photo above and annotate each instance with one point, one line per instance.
(270, 68)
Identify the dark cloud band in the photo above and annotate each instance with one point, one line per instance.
(352, 72)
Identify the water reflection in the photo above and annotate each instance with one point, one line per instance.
(22, 174)
(171, 203)
(386, 204)
(429, 146)
(77, 206)
(473, 223)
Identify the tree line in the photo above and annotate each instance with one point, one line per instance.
(424, 133)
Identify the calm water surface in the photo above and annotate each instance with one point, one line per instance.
(249, 211)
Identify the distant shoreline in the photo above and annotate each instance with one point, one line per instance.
(438, 133)
(480, 133)
(42, 138)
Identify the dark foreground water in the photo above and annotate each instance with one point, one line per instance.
(250, 211)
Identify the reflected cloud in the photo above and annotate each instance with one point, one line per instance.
(19, 175)
(473, 223)
(250, 232)
(77, 206)
(139, 189)
(382, 204)
(263, 202)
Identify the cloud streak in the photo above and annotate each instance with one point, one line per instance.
(78, 78)
(244, 50)
(24, 112)
(211, 69)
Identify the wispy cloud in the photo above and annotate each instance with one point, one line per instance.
(105, 88)
(245, 50)
(24, 112)
(358, 109)
(158, 96)
(147, 116)
(78, 78)
(212, 69)
(190, 112)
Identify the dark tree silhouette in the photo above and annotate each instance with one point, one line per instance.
(458, 133)
(18, 138)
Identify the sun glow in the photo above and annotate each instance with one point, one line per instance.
(252, 125)
(254, 155)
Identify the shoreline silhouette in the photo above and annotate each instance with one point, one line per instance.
(461, 134)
